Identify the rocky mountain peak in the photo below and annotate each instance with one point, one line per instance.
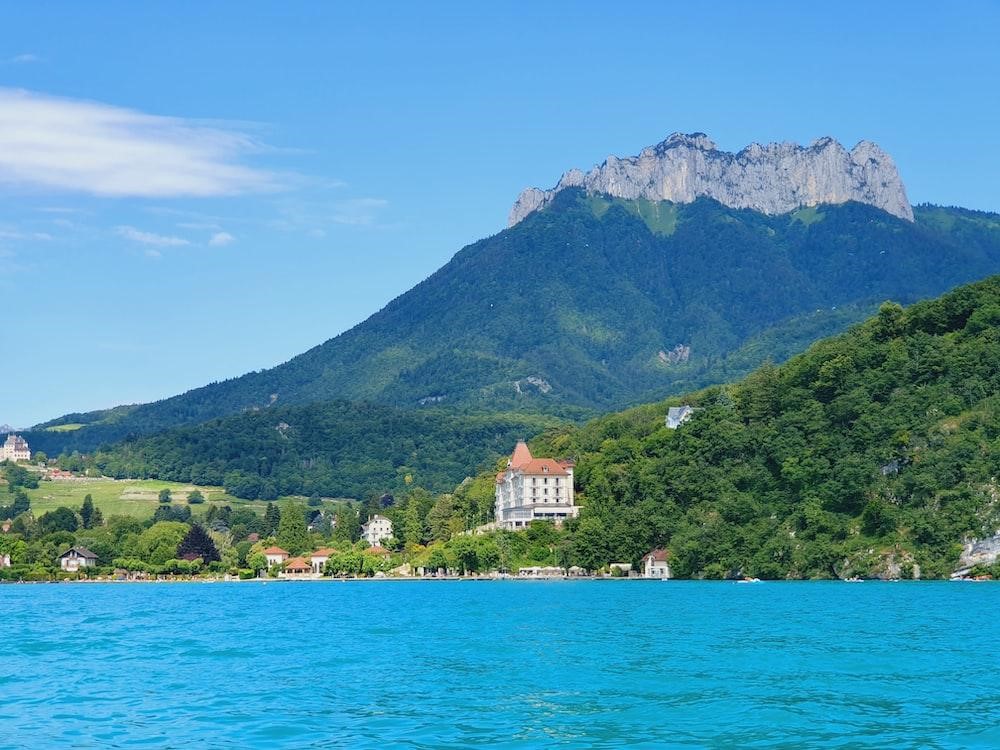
(774, 178)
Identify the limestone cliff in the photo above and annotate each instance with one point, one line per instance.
(774, 179)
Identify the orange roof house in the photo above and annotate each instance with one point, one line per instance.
(297, 565)
(534, 489)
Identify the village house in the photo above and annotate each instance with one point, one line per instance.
(378, 551)
(275, 556)
(533, 489)
(376, 530)
(15, 448)
(4, 561)
(318, 559)
(655, 564)
(297, 566)
(678, 415)
(77, 557)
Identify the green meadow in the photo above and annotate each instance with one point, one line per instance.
(131, 497)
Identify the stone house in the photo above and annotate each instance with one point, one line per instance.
(15, 448)
(319, 558)
(376, 530)
(77, 557)
(533, 489)
(275, 556)
(655, 564)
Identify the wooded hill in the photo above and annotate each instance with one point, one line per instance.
(872, 452)
(595, 304)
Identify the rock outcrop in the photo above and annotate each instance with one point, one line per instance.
(774, 179)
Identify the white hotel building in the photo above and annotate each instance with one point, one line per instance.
(534, 489)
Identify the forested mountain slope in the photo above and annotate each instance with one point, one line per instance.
(596, 303)
(874, 452)
(333, 449)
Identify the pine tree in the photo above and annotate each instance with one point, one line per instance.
(198, 543)
(87, 512)
(292, 533)
(272, 517)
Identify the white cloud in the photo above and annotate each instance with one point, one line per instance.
(220, 239)
(100, 149)
(358, 211)
(150, 253)
(23, 59)
(148, 238)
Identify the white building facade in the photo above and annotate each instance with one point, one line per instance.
(15, 448)
(377, 530)
(533, 489)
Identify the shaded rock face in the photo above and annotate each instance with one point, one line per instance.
(774, 179)
(980, 552)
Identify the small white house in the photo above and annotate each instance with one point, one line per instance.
(377, 530)
(318, 559)
(4, 561)
(77, 557)
(275, 556)
(678, 415)
(655, 564)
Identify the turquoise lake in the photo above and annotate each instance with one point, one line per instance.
(500, 664)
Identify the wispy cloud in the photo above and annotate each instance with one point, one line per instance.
(149, 238)
(100, 149)
(23, 59)
(221, 239)
(358, 211)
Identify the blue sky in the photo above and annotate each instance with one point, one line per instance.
(189, 191)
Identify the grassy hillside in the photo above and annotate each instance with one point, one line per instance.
(136, 498)
(874, 452)
(595, 304)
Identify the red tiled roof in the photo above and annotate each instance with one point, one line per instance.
(297, 563)
(377, 551)
(658, 555)
(323, 553)
(275, 551)
(521, 455)
(546, 466)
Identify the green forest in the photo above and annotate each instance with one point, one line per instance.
(334, 449)
(874, 453)
(596, 304)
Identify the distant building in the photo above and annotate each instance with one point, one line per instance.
(275, 556)
(318, 559)
(655, 564)
(297, 566)
(376, 530)
(533, 489)
(678, 415)
(4, 561)
(15, 448)
(77, 557)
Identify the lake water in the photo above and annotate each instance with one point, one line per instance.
(505, 664)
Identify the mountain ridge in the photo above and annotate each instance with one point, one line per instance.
(775, 178)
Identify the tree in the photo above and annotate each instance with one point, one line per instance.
(41, 457)
(292, 532)
(87, 512)
(272, 517)
(198, 543)
(195, 498)
(159, 542)
(60, 519)
(165, 496)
